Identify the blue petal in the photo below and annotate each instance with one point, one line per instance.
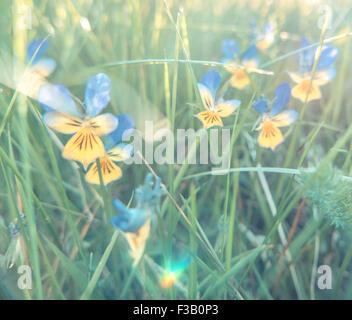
(282, 96)
(32, 47)
(261, 106)
(120, 221)
(292, 115)
(331, 73)
(45, 107)
(327, 57)
(123, 130)
(97, 94)
(45, 66)
(306, 57)
(120, 207)
(128, 220)
(126, 149)
(254, 25)
(211, 80)
(229, 49)
(250, 53)
(254, 29)
(304, 42)
(269, 27)
(57, 97)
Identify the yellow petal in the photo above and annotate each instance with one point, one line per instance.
(270, 136)
(120, 152)
(63, 123)
(300, 91)
(29, 83)
(266, 42)
(84, 147)
(323, 76)
(109, 171)
(285, 118)
(137, 241)
(103, 124)
(44, 67)
(206, 96)
(233, 68)
(296, 77)
(227, 108)
(239, 79)
(251, 65)
(209, 119)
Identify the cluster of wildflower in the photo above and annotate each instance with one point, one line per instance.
(313, 73)
(96, 137)
(308, 86)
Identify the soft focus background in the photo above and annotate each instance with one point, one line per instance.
(264, 234)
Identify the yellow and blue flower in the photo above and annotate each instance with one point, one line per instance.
(116, 151)
(248, 59)
(40, 67)
(325, 72)
(35, 51)
(84, 123)
(136, 223)
(265, 37)
(270, 135)
(215, 109)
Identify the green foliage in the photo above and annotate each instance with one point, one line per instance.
(331, 193)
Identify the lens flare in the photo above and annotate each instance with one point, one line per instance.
(168, 280)
(173, 273)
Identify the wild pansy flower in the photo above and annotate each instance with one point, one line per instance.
(248, 59)
(41, 67)
(87, 127)
(215, 109)
(270, 135)
(325, 72)
(135, 223)
(115, 151)
(264, 37)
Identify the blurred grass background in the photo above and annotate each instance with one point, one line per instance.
(262, 239)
